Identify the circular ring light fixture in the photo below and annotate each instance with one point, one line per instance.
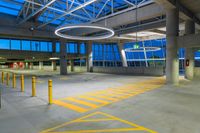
(59, 33)
(142, 49)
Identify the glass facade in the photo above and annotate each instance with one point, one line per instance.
(106, 55)
(26, 45)
(155, 58)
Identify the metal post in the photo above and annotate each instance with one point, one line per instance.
(22, 83)
(2, 77)
(8, 79)
(50, 91)
(14, 80)
(33, 87)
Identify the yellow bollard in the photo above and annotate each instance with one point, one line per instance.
(14, 80)
(22, 83)
(50, 91)
(2, 77)
(33, 87)
(8, 79)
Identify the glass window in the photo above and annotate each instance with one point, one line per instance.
(44, 46)
(35, 46)
(15, 45)
(57, 47)
(26, 45)
(82, 48)
(72, 48)
(4, 44)
(50, 45)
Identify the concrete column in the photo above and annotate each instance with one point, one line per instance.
(123, 54)
(31, 65)
(63, 61)
(189, 52)
(41, 67)
(53, 65)
(72, 65)
(26, 65)
(89, 59)
(172, 59)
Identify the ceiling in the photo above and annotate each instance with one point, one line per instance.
(59, 12)
(192, 5)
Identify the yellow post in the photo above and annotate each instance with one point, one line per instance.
(14, 80)
(8, 79)
(2, 77)
(22, 83)
(50, 91)
(33, 87)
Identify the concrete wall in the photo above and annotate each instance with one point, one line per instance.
(197, 71)
(150, 71)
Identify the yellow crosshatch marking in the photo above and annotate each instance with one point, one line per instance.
(96, 119)
(97, 99)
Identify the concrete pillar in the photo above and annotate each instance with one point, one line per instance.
(26, 65)
(41, 67)
(172, 59)
(72, 65)
(53, 65)
(189, 52)
(63, 61)
(89, 59)
(31, 65)
(123, 54)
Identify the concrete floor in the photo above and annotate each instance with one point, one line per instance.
(167, 109)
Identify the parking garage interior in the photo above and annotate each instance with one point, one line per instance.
(99, 66)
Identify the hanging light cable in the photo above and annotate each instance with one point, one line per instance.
(136, 46)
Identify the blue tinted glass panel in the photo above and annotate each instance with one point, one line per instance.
(4, 44)
(35, 46)
(15, 44)
(57, 47)
(82, 48)
(44, 46)
(71, 48)
(50, 46)
(26, 45)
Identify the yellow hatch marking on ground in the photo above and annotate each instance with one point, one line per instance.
(107, 98)
(70, 106)
(101, 98)
(82, 102)
(86, 119)
(94, 99)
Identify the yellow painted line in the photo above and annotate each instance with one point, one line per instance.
(111, 95)
(82, 102)
(70, 106)
(116, 96)
(132, 91)
(94, 99)
(134, 127)
(95, 120)
(106, 130)
(107, 98)
(119, 92)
